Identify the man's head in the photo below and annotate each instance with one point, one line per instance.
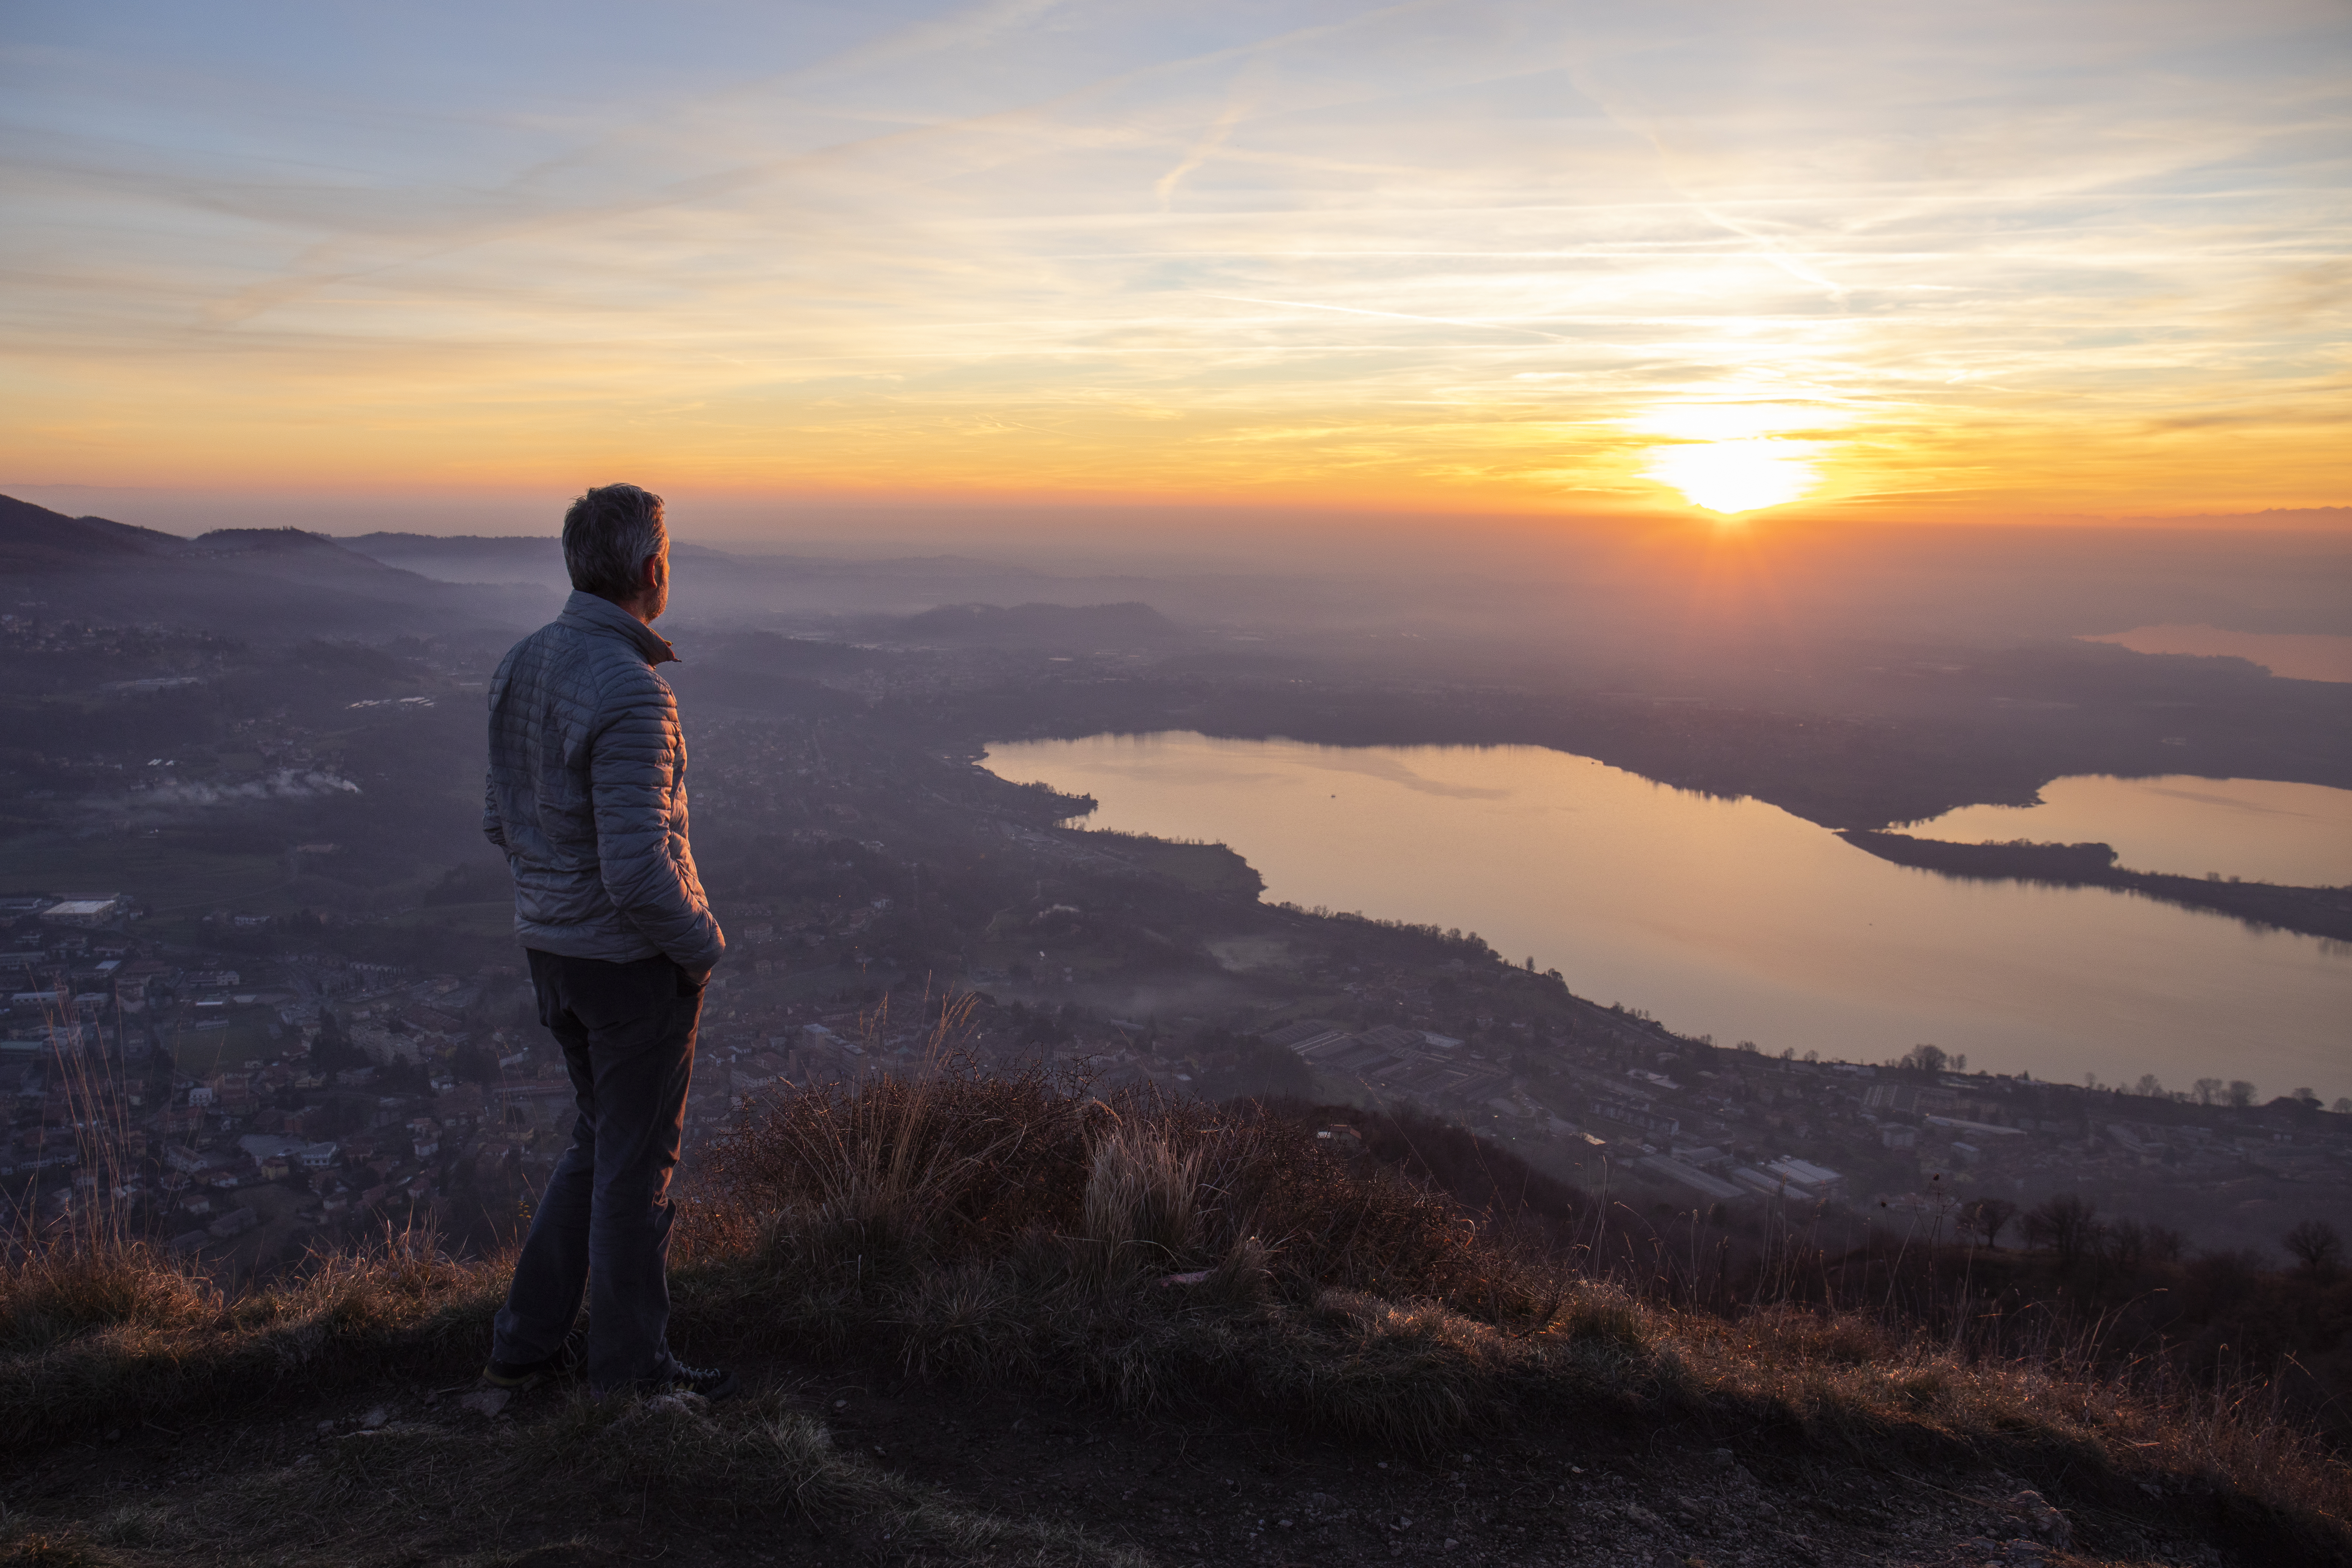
(616, 547)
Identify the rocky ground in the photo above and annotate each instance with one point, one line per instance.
(1085, 1484)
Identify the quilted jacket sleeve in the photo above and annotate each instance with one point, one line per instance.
(637, 761)
(492, 828)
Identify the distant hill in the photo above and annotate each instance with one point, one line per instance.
(536, 559)
(469, 557)
(374, 586)
(291, 555)
(33, 539)
(268, 542)
(267, 585)
(720, 587)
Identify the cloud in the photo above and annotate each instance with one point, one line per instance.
(1449, 252)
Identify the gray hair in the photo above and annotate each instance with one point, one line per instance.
(608, 535)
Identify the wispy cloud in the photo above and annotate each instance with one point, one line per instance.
(2089, 258)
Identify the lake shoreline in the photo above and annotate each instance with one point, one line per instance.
(1739, 919)
(2324, 913)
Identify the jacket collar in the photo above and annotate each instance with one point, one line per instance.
(587, 613)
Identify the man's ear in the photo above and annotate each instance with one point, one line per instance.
(649, 573)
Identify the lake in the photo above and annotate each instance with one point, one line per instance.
(2259, 829)
(1735, 918)
(2297, 656)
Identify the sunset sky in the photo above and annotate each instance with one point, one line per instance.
(1889, 261)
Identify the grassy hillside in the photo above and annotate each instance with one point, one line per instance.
(998, 1319)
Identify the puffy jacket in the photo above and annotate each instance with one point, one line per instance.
(587, 792)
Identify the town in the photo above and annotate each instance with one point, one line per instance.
(266, 1096)
(263, 997)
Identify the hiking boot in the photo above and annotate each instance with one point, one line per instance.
(517, 1375)
(712, 1382)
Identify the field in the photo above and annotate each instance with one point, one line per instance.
(244, 1037)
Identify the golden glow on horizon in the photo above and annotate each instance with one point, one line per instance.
(1734, 477)
(1728, 457)
(1494, 259)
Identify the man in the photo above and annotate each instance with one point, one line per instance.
(587, 797)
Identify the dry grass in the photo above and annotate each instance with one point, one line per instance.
(1847, 1383)
(64, 1289)
(1018, 1229)
(902, 1176)
(104, 1335)
(1160, 1256)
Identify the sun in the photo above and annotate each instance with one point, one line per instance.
(1732, 476)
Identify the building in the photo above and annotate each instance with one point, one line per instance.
(1305, 1034)
(264, 1147)
(1691, 1176)
(1807, 1179)
(1627, 1115)
(86, 913)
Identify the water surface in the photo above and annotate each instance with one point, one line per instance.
(2258, 829)
(1733, 918)
(2295, 656)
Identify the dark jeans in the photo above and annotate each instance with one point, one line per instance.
(603, 1225)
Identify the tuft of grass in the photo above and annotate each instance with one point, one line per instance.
(1141, 1197)
(144, 1338)
(895, 1178)
(1885, 1398)
(1159, 1253)
(62, 1288)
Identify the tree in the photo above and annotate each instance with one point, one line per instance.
(2149, 1088)
(2343, 1106)
(473, 1063)
(332, 1050)
(2208, 1091)
(1985, 1218)
(2315, 1245)
(2241, 1093)
(2068, 1225)
(1926, 1059)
